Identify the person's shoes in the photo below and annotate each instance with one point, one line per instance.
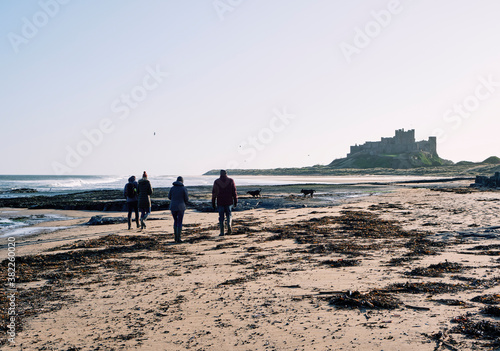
(143, 225)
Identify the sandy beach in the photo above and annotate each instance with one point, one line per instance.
(411, 268)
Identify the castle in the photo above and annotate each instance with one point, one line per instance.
(402, 142)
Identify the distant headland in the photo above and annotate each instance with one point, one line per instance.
(397, 155)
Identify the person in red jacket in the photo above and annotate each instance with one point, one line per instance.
(224, 197)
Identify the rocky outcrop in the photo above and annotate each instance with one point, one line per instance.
(98, 200)
(487, 182)
(22, 191)
(100, 220)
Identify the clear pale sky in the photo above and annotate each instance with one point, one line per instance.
(181, 87)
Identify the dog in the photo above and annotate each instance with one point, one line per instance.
(255, 193)
(308, 192)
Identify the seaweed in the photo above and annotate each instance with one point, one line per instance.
(228, 245)
(483, 329)
(237, 280)
(437, 270)
(106, 241)
(451, 302)
(429, 287)
(420, 246)
(373, 300)
(397, 261)
(341, 263)
(477, 283)
(489, 299)
(491, 311)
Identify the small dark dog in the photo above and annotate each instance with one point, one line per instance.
(307, 192)
(255, 193)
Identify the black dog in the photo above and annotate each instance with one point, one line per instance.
(307, 192)
(255, 193)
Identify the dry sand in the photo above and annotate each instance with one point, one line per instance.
(267, 287)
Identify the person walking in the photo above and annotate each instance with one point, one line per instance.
(144, 191)
(224, 197)
(178, 196)
(130, 193)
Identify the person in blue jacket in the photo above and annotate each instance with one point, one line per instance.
(178, 196)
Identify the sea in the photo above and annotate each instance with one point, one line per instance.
(64, 184)
(13, 223)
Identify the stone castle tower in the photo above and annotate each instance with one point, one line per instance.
(402, 142)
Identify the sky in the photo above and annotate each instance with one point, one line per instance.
(181, 87)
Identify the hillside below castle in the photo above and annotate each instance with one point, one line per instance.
(398, 152)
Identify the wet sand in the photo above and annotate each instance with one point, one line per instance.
(410, 268)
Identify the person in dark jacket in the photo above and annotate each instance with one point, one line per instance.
(224, 197)
(130, 193)
(144, 191)
(178, 196)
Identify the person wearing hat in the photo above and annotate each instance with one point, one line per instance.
(144, 191)
(130, 193)
(178, 196)
(224, 197)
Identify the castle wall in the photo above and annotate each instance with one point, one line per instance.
(402, 142)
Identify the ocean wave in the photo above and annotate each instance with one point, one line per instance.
(80, 182)
(43, 183)
(5, 222)
(23, 231)
(13, 225)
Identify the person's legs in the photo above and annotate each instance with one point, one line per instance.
(136, 211)
(221, 219)
(224, 211)
(129, 215)
(228, 218)
(144, 214)
(143, 211)
(178, 225)
(180, 217)
(174, 215)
